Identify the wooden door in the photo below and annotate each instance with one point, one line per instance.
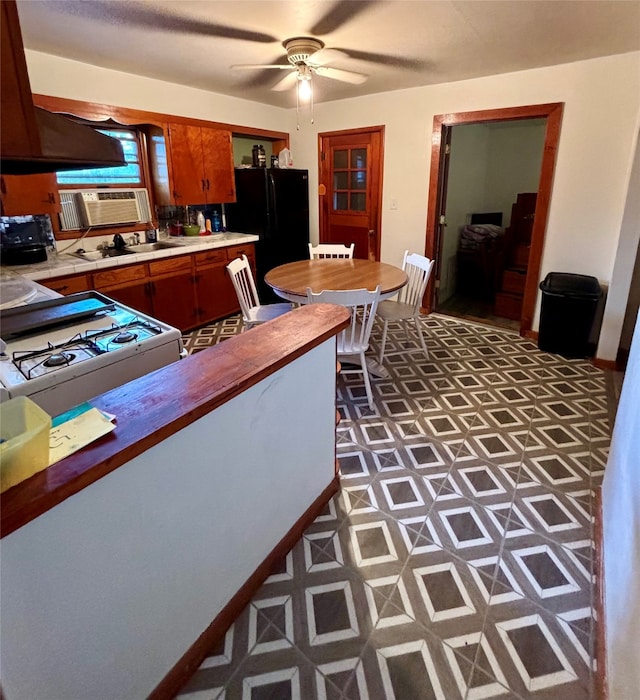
(174, 300)
(135, 296)
(187, 166)
(30, 194)
(217, 149)
(351, 189)
(216, 297)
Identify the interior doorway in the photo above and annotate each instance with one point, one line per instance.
(350, 191)
(501, 262)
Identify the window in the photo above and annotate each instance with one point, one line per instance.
(123, 176)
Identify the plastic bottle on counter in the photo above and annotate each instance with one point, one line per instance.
(217, 224)
(200, 221)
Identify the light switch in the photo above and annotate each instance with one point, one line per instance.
(394, 203)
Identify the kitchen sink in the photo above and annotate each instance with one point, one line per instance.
(149, 247)
(129, 250)
(100, 254)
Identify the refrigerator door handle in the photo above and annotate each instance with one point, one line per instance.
(272, 203)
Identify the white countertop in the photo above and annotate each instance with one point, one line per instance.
(65, 264)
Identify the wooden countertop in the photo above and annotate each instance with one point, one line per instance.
(157, 405)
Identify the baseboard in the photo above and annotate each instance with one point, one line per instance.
(530, 335)
(605, 364)
(197, 653)
(600, 679)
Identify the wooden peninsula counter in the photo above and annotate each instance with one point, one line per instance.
(123, 563)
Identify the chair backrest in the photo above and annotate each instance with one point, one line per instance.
(242, 278)
(418, 269)
(330, 250)
(362, 304)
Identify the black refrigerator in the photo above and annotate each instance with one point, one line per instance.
(273, 204)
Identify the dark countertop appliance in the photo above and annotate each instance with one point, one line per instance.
(24, 239)
(274, 205)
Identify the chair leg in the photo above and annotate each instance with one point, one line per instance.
(384, 341)
(405, 325)
(424, 345)
(367, 382)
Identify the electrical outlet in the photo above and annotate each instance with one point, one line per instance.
(394, 203)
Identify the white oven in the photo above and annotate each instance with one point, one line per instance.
(61, 352)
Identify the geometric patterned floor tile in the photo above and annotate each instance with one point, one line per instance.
(456, 561)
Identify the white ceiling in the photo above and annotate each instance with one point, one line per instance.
(398, 43)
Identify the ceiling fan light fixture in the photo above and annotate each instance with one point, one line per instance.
(304, 88)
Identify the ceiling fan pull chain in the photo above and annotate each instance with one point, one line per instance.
(311, 98)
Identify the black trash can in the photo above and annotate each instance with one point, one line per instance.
(568, 308)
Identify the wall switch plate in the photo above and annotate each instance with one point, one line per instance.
(394, 203)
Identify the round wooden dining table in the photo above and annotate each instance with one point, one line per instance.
(290, 281)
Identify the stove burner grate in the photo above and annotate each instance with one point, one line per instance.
(124, 337)
(35, 363)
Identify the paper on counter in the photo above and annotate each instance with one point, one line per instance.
(72, 435)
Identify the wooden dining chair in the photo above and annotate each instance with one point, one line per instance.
(253, 312)
(407, 305)
(353, 341)
(330, 250)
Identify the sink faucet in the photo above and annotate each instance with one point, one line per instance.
(118, 242)
(136, 235)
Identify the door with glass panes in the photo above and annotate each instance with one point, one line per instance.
(351, 189)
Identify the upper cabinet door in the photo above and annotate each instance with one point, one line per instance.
(217, 150)
(19, 136)
(187, 166)
(30, 194)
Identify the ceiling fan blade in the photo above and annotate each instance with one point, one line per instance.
(259, 66)
(384, 59)
(338, 14)
(152, 19)
(346, 76)
(286, 83)
(324, 56)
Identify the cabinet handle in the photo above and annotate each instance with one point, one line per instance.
(52, 198)
(176, 195)
(204, 187)
(61, 289)
(3, 186)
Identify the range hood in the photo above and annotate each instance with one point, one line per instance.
(65, 145)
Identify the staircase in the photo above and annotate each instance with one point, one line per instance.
(508, 300)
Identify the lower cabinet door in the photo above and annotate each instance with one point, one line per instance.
(215, 294)
(134, 295)
(174, 300)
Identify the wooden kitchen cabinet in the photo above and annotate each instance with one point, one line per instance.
(128, 284)
(71, 284)
(201, 165)
(215, 297)
(30, 194)
(19, 136)
(172, 292)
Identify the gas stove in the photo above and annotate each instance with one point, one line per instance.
(65, 351)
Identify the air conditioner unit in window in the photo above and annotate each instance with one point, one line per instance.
(84, 208)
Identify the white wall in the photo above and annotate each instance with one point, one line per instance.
(626, 256)
(621, 532)
(601, 117)
(103, 594)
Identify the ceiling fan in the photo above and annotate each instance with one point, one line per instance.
(307, 56)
